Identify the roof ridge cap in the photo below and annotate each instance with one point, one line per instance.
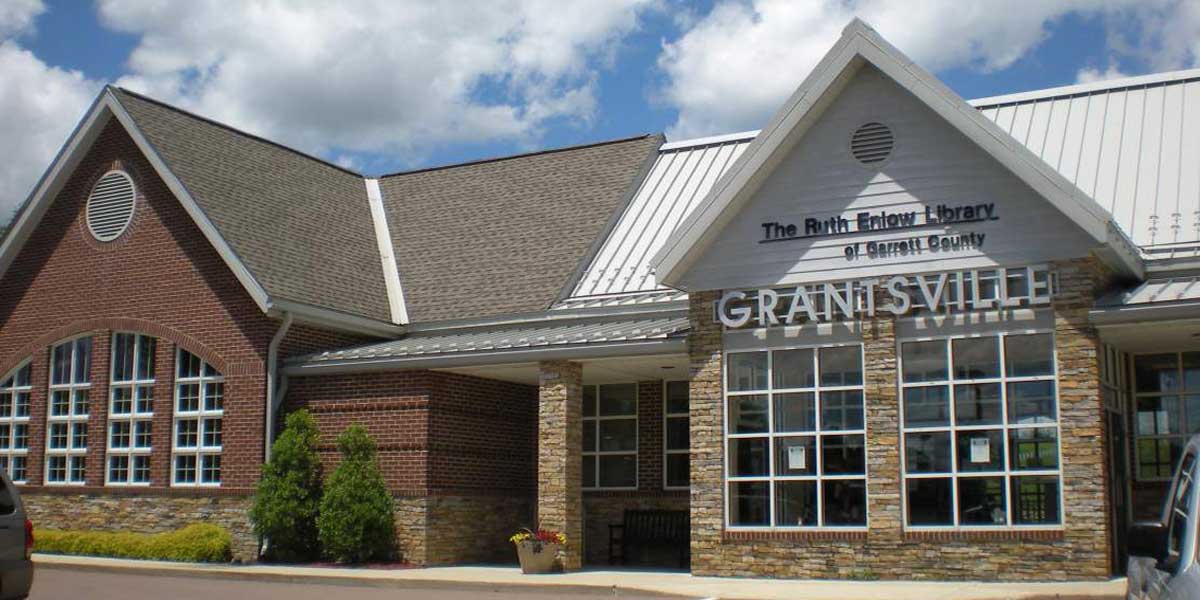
(522, 155)
(235, 130)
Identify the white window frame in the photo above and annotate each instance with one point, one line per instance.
(595, 421)
(818, 433)
(73, 418)
(667, 452)
(200, 416)
(10, 452)
(1179, 394)
(134, 417)
(1007, 473)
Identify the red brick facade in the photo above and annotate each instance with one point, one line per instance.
(161, 278)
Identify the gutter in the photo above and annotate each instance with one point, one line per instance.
(273, 397)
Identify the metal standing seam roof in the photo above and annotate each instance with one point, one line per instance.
(573, 333)
(681, 177)
(1175, 289)
(1133, 145)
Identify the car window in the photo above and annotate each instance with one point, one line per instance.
(1180, 505)
(8, 503)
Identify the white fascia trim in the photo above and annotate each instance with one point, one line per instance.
(1086, 88)
(316, 315)
(709, 141)
(649, 311)
(861, 44)
(235, 264)
(387, 255)
(53, 180)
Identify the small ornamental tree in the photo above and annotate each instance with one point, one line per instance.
(289, 494)
(356, 523)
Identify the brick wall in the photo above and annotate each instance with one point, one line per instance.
(457, 452)
(161, 278)
(1079, 551)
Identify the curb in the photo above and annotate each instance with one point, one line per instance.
(234, 573)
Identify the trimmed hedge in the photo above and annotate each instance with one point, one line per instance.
(199, 542)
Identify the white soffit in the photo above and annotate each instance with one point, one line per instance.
(858, 43)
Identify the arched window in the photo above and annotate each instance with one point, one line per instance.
(130, 409)
(14, 422)
(199, 409)
(66, 419)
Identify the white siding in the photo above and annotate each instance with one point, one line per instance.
(932, 164)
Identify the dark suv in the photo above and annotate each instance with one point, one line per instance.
(16, 543)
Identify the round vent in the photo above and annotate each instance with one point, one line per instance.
(872, 143)
(110, 206)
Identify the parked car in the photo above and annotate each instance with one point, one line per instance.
(16, 543)
(1163, 554)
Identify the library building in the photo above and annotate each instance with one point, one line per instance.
(893, 334)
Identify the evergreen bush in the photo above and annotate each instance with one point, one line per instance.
(356, 523)
(289, 495)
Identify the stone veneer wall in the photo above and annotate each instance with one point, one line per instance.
(1079, 551)
(144, 514)
(443, 530)
(560, 458)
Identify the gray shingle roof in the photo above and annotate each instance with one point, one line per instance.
(300, 225)
(504, 236)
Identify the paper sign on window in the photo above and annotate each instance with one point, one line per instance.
(797, 458)
(980, 450)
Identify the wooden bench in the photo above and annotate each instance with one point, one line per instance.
(644, 528)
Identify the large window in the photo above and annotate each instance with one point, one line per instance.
(67, 417)
(980, 418)
(14, 423)
(610, 440)
(130, 409)
(199, 410)
(1167, 395)
(796, 453)
(676, 439)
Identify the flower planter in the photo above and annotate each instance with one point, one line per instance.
(537, 557)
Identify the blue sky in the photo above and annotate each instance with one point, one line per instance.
(430, 84)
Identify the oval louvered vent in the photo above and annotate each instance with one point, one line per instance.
(872, 143)
(110, 206)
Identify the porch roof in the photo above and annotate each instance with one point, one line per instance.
(574, 338)
(1152, 300)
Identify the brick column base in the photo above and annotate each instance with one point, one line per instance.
(560, 458)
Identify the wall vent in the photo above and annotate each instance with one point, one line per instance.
(110, 206)
(872, 143)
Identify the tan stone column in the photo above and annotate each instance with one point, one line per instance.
(560, 455)
(883, 429)
(705, 346)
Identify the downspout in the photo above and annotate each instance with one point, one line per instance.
(274, 397)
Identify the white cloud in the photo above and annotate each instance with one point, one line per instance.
(16, 16)
(376, 75)
(1092, 74)
(735, 67)
(40, 105)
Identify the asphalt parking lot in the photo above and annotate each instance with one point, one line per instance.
(71, 584)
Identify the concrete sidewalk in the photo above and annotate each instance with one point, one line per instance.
(659, 582)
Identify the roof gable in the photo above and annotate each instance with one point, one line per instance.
(277, 280)
(859, 46)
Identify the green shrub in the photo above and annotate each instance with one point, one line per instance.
(355, 523)
(289, 494)
(198, 542)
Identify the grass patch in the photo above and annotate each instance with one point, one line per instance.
(199, 542)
